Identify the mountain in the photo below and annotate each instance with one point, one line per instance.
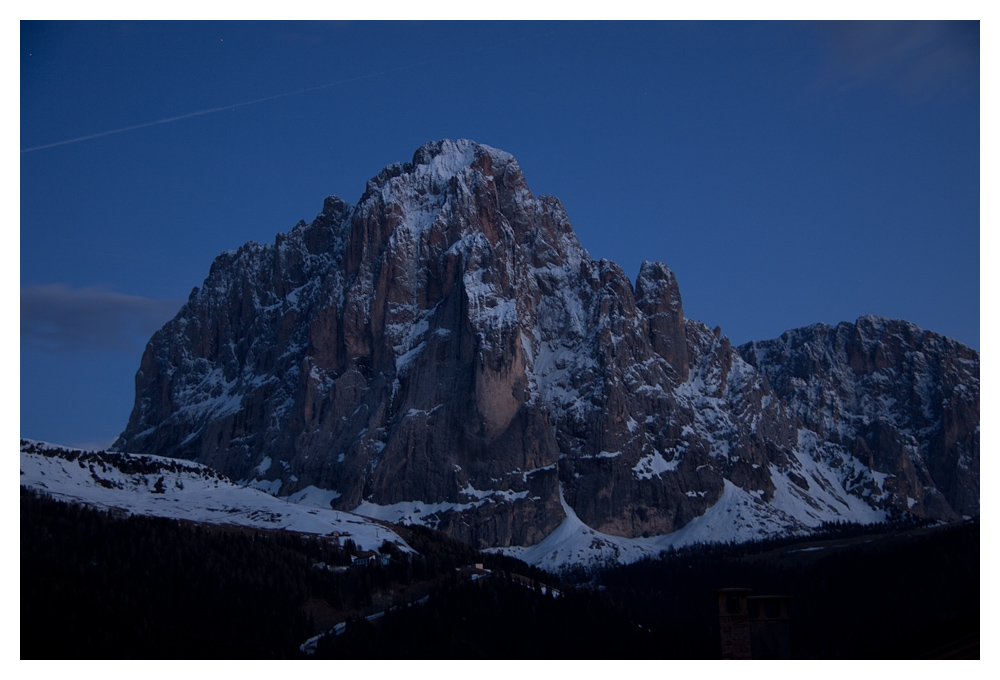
(444, 352)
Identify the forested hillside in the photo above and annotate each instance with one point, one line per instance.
(96, 584)
(881, 592)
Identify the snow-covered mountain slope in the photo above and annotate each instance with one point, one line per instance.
(177, 489)
(736, 517)
(445, 352)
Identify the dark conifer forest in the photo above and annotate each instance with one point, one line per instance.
(99, 585)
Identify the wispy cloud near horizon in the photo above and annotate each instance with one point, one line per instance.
(56, 317)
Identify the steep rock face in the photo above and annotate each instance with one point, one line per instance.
(902, 400)
(446, 352)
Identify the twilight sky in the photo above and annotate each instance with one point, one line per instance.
(787, 172)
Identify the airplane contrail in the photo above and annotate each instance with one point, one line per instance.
(230, 106)
(216, 109)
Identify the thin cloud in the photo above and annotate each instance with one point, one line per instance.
(56, 317)
(917, 58)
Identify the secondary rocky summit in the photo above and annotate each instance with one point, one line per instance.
(446, 352)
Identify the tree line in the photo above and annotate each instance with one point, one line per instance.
(96, 584)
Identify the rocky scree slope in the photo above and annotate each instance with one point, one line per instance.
(445, 352)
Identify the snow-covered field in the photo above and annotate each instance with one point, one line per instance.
(180, 489)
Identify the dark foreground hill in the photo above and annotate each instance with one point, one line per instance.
(99, 585)
(95, 584)
(874, 592)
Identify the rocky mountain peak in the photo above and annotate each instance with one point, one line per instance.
(446, 158)
(436, 165)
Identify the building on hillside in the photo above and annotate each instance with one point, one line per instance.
(364, 558)
(754, 626)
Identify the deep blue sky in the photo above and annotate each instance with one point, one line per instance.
(787, 172)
